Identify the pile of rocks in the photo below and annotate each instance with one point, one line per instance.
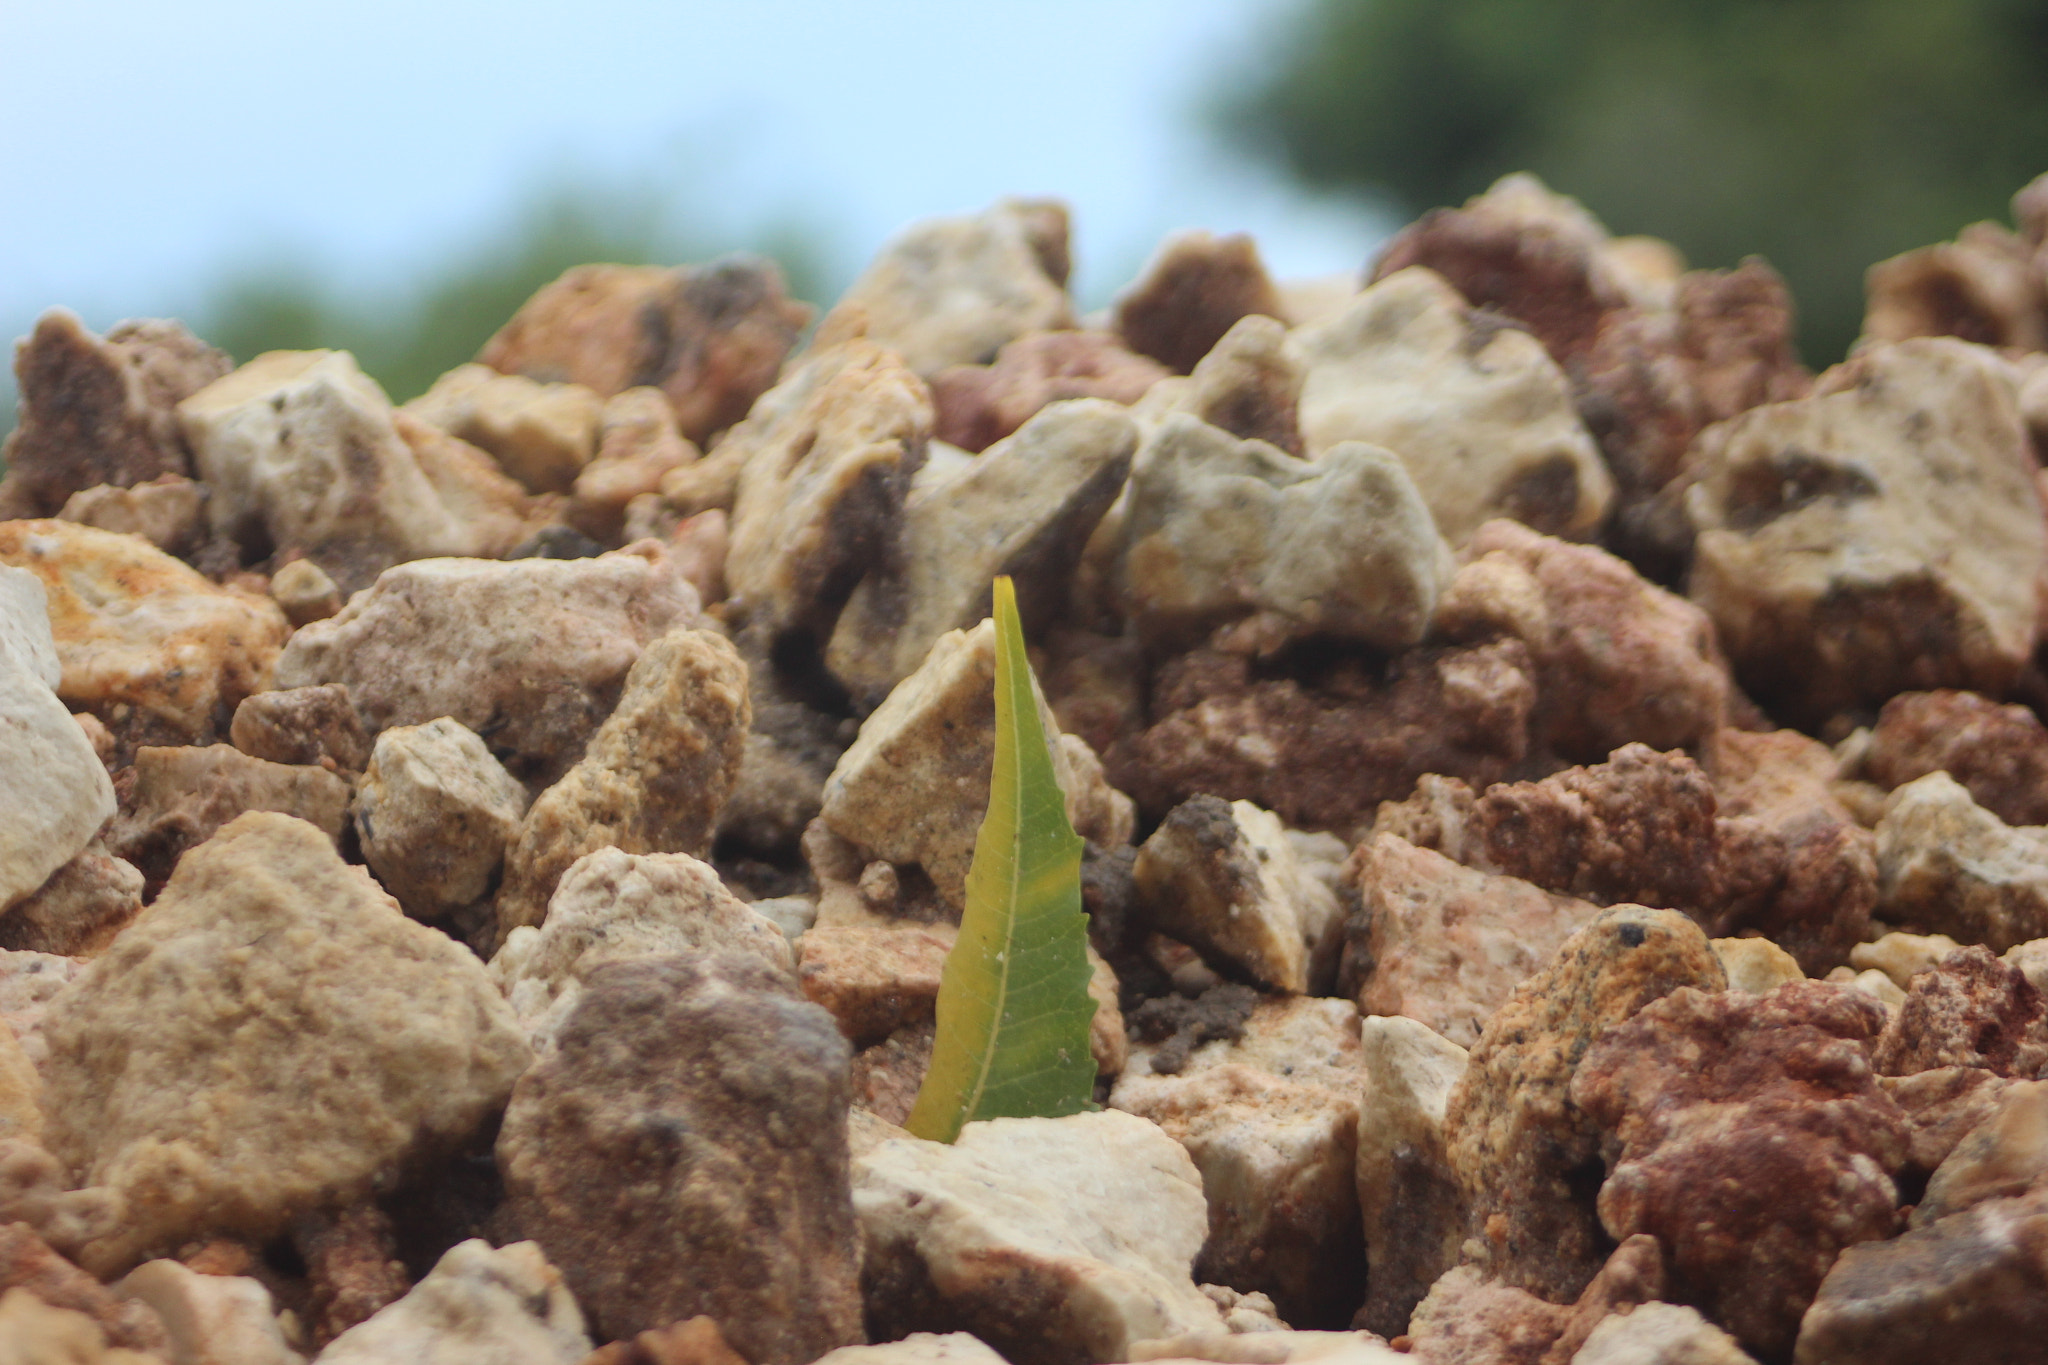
(1565, 801)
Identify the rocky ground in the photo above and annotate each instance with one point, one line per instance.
(1566, 803)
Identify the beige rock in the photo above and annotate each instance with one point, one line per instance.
(2004, 1155)
(204, 1129)
(58, 794)
(1660, 1334)
(476, 1305)
(2032, 960)
(26, 641)
(1983, 287)
(652, 779)
(1872, 982)
(304, 592)
(1947, 866)
(1880, 536)
(434, 812)
(50, 1220)
(532, 653)
(1050, 1239)
(1408, 1194)
(1249, 384)
(1757, 964)
(78, 911)
(540, 434)
(953, 291)
(1901, 957)
(1025, 508)
(28, 982)
(149, 645)
(919, 1348)
(301, 451)
(21, 1113)
(1268, 1345)
(33, 1333)
(1216, 530)
(182, 796)
(638, 443)
(213, 1319)
(169, 511)
(1476, 409)
(307, 726)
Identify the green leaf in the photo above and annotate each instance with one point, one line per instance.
(1013, 1008)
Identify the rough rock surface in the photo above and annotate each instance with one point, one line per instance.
(101, 410)
(1409, 1197)
(477, 1304)
(1999, 752)
(919, 1348)
(652, 778)
(710, 337)
(1192, 291)
(1756, 965)
(1902, 956)
(351, 1268)
(169, 511)
(531, 654)
(302, 725)
(210, 1318)
(77, 911)
(1526, 1155)
(2005, 1155)
(182, 797)
(26, 640)
(1660, 1334)
(1749, 1135)
(202, 1127)
(1477, 411)
(1881, 535)
(684, 1151)
(28, 982)
(979, 405)
(638, 444)
(1983, 287)
(147, 644)
(35, 1332)
(1468, 1319)
(540, 434)
(1248, 385)
(874, 979)
(1217, 531)
(1948, 866)
(304, 592)
(1970, 1010)
(58, 794)
(1057, 1241)
(28, 1263)
(434, 813)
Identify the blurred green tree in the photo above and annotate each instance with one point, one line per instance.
(1824, 134)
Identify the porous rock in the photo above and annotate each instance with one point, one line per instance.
(683, 1151)
(532, 653)
(209, 1318)
(169, 511)
(978, 405)
(1409, 1197)
(182, 796)
(433, 814)
(1969, 1010)
(28, 982)
(1478, 412)
(540, 434)
(1882, 535)
(2003, 1156)
(1660, 1334)
(146, 643)
(1056, 1241)
(1999, 752)
(1948, 866)
(652, 778)
(1902, 956)
(77, 912)
(205, 1130)
(58, 793)
(477, 1304)
(1191, 292)
(315, 726)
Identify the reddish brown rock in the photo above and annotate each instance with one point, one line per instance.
(2000, 753)
(181, 797)
(77, 912)
(353, 1267)
(1191, 293)
(309, 726)
(1749, 1135)
(711, 337)
(874, 979)
(886, 1076)
(26, 1262)
(979, 405)
(1468, 1319)
(101, 410)
(1970, 1010)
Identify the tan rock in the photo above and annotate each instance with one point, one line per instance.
(169, 511)
(540, 434)
(21, 1113)
(1660, 1334)
(1947, 866)
(1982, 287)
(204, 1131)
(181, 797)
(1901, 957)
(434, 813)
(477, 1304)
(1192, 291)
(919, 1348)
(1758, 965)
(309, 726)
(1249, 384)
(58, 794)
(304, 592)
(211, 1318)
(28, 982)
(2003, 1156)
(32, 1333)
(77, 912)
(638, 444)
(1409, 1197)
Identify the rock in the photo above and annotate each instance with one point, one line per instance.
(1470, 1320)
(1617, 659)
(1191, 292)
(21, 1113)
(1248, 385)
(36, 1196)
(302, 451)
(919, 1348)
(532, 653)
(2004, 1156)
(28, 1265)
(1999, 752)
(1982, 287)
(476, 1305)
(210, 1317)
(34, 1332)
(101, 410)
(77, 912)
(1756, 965)
(1749, 1135)
(638, 443)
(201, 1129)
(913, 788)
(1660, 1334)
(955, 291)
(304, 592)
(1901, 957)
(652, 778)
(1024, 508)
(169, 511)
(1449, 943)
(1270, 1344)
(1512, 1132)
(1217, 530)
(305, 726)
(58, 794)
(434, 813)
(1881, 535)
(1473, 406)
(710, 337)
(182, 797)
(26, 640)
(147, 644)
(1324, 756)
(693, 1341)
(1222, 877)
(540, 434)
(874, 979)
(2032, 960)
(1056, 1241)
(1412, 1205)
(28, 982)
(788, 755)
(351, 1268)
(978, 405)
(683, 1151)
(1948, 866)
(1271, 1121)
(1968, 1289)
(1874, 984)
(1969, 1010)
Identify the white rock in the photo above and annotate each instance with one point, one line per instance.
(212, 1319)
(919, 1348)
(476, 1307)
(25, 638)
(1073, 1236)
(1408, 1194)
(1474, 406)
(57, 793)
(1660, 1334)
(434, 812)
(1945, 865)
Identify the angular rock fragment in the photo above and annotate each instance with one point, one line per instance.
(351, 1268)
(28, 1263)
(1983, 287)
(874, 979)
(540, 434)
(1409, 1196)
(169, 511)
(2004, 1156)
(205, 1129)
(77, 912)
(1468, 1317)
(1192, 291)
(683, 1151)
(1970, 1010)
(1999, 752)
(304, 592)
(476, 1304)
(1756, 965)
(26, 639)
(638, 444)
(978, 405)
(182, 797)
(1248, 385)
(210, 1317)
(1902, 956)
(434, 813)
(309, 726)
(1948, 866)
(1660, 1334)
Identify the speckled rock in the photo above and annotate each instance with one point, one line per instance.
(710, 337)
(147, 644)
(227, 1318)
(1970, 1010)
(1749, 1135)
(683, 1151)
(1948, 866)
(652, 778)
(101, 410)
(979, 405)
(1999, 752)
(476, 1305)
(352, 1270)
(78, 911)
(1410, 1199)
(1468, 1319)
(304, 592)
(169, 511)
(1660, 1334)
(532, 653)
(2003, 1156)
(315, 726)
(638, 444)
(1217, 531)
(1881, 535)
(540, 434)
(182, 797)
(1512, 1132)
(1195, 287)
(1472, 404)
(1057, 1241)
(433, 814)
(203, 1131)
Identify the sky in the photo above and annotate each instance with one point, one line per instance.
(150, 150)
